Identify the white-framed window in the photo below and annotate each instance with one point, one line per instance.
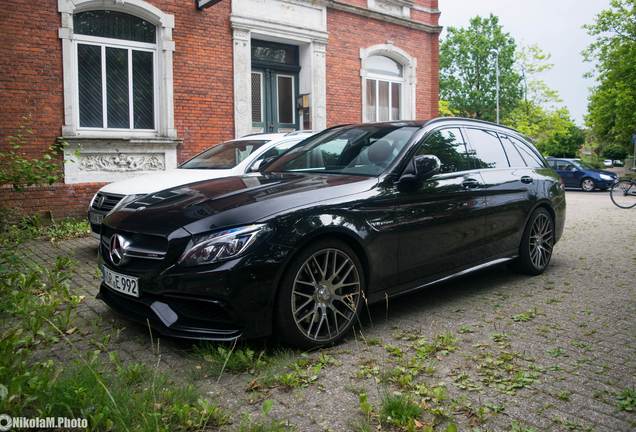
(118, 75)
(116, 71)
(383, 88)
(388, 84)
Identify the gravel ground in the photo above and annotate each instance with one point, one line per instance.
(491, 351)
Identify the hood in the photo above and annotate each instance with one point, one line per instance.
(231, 201)
(149, 183)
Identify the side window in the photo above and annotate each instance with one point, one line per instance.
(449, 146)
(531, 158)
(487, 150)
(514, 157)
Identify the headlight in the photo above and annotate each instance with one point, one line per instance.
(125, 200)
(606, 177)
(220, 246)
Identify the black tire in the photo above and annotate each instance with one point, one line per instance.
(588, 184)
(303, 277)
(528, 261)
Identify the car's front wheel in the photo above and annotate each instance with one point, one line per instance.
(537, 242)
(320, 295)
(588, 185)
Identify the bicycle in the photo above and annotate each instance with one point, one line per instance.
(623, 194)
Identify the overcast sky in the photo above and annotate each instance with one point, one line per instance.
(554, 25)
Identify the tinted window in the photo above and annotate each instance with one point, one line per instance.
(448, 145)
(223, 156)
(278, 149)
(364, 150)
(487, 150)
(531, 158)
(514, 157)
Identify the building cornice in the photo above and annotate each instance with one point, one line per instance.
(368, 13)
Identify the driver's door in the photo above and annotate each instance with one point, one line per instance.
(441, 223)
(568, 172)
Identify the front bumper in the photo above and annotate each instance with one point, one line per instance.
(163, 318)
(221, 302)
(605, 184)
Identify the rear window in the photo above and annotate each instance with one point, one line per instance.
(531, 158)
(514, 157)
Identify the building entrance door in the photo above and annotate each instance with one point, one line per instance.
(274, 86)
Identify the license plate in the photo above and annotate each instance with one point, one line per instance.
(128, 285)
(95, 218)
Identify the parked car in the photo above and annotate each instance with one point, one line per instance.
(351, 216)
(236, 157)
(607, 163)
(617, 163)
(577, 174)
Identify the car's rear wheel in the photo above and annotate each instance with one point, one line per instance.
(320, 295)
(588, 185)
(537, 243)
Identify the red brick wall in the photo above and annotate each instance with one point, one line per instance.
(347, 34)
(31, 80)
(62, 200)
(31, 84)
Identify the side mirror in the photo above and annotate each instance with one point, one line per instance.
(419, 169)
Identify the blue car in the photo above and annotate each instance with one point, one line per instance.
(576, 174)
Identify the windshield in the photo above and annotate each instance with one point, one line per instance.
(361, 150)
(224, 156)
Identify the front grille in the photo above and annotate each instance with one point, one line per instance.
(106, 201)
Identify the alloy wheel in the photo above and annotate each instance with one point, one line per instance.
(325, 295)
(541, 241)
(587, 185)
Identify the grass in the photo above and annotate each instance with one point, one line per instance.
(626, 400)
(218, 358)
(266, 424)
(526, 316)
(399, 410)
(442, 344)
(287, 373)
(37, 311)
(34, 227)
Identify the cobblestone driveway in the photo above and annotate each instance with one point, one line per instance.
(498, 351)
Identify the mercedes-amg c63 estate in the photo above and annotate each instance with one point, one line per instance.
(349, 216)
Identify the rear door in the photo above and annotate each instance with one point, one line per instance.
(508, 189)
(441, 223)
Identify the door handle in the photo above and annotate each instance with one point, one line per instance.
(526, 179)
(470, 183)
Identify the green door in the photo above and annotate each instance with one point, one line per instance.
(274, 87)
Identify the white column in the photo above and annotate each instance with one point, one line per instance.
(318, 86)
(242, 83)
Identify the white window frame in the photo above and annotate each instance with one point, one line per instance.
(408, 80)
(388, 79)
(129, 46)
(162, 61)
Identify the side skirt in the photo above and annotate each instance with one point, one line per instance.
(449, 277)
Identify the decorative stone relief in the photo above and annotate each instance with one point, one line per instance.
(401, 8)
(121, 162)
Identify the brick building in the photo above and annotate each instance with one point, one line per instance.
(137, 86)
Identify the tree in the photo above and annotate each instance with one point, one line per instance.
(612, 103)
(532, 61)
(615, 152)
(468, 72)
(553, 131)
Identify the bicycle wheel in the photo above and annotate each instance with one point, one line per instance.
(623, 194)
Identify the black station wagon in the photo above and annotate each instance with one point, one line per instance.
(351, 215)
